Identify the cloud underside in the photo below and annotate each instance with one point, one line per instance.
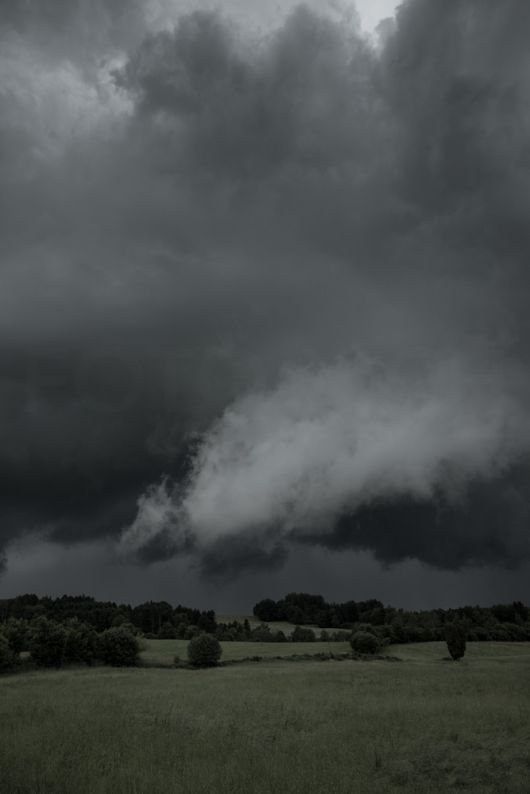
(265, 282)
(349, 456)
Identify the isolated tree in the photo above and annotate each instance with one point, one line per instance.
(204, 650)
(455, 636)
(118, 647)
(364, 642)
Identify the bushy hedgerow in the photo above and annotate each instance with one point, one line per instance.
(204, 651)
(7, 658)
(365, 642)
(118, 647)
(47, 643)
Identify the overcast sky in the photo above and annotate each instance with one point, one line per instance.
(263, 300)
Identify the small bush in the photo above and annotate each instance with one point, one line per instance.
(455, 637)
(364, 642)
(48, 643)
(7, 657)
(118, 647)
(204, 651)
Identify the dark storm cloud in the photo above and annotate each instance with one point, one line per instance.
(486, 525)
(243, 110)
(225, 559)
(284, 271)
(78, 30)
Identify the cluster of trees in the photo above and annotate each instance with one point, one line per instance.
(306, 608)
(153, 619)
(237, 631)
(53, 644)
(501, 623)
(243, 632)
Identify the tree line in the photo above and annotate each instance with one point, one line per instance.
(151, 618)
(501, 622)
(52, 644)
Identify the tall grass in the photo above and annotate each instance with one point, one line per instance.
(423, 725)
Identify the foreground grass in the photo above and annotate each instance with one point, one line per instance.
(423, 725)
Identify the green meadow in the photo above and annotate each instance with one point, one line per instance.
(422, 725)
(162, 652)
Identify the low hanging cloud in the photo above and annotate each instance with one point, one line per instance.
(338, 439)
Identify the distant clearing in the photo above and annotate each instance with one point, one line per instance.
(162, 652)
(275, 625)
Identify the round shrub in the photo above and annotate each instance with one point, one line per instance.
(118, 647)
(364, 642)
(7, 657)
(204, 651)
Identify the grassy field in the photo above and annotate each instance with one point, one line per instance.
(162, 652)
(275, 625)
(422, 725)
